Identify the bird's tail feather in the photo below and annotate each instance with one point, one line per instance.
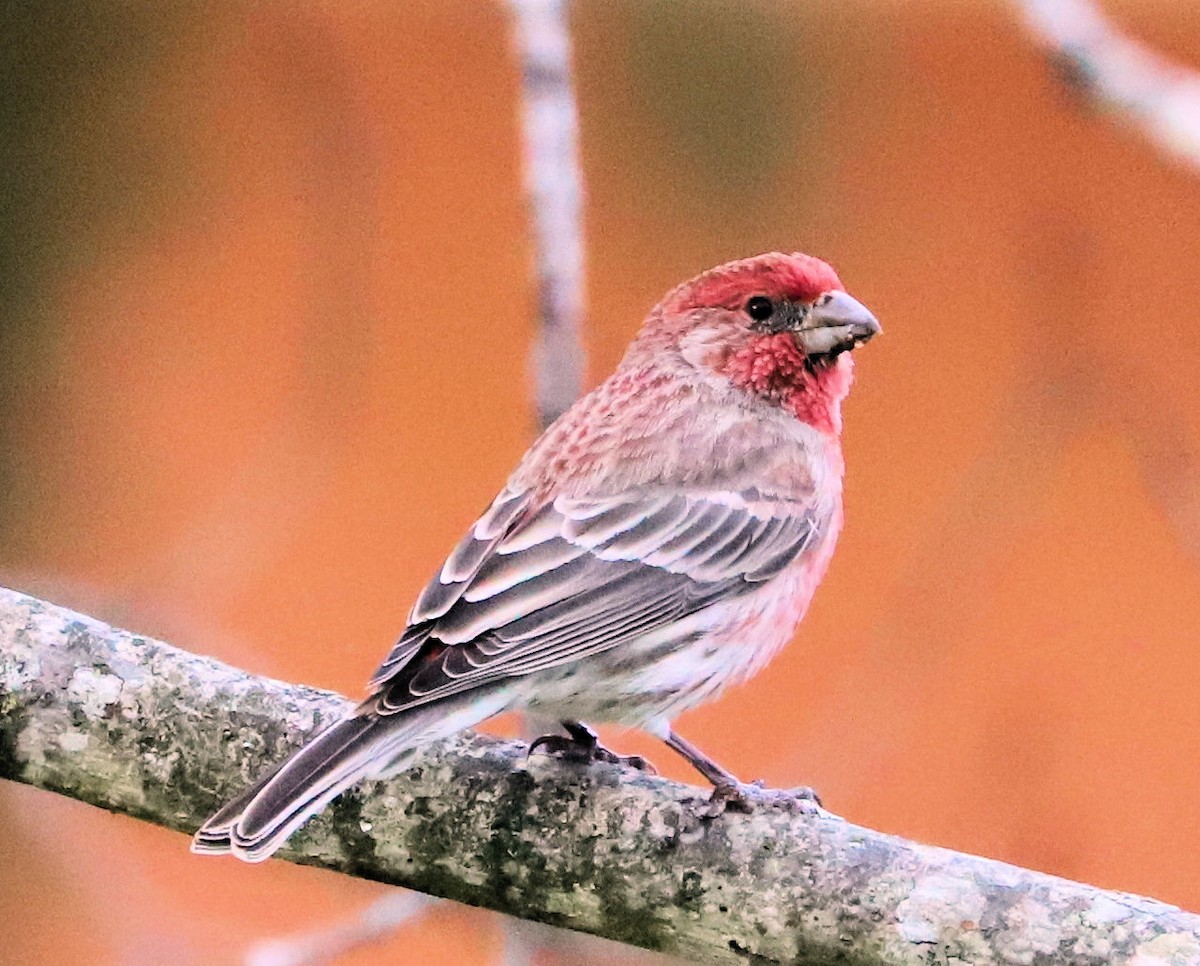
(256, 823)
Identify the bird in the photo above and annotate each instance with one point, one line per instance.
(660, 541)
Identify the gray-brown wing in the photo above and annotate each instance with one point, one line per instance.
(532, 587)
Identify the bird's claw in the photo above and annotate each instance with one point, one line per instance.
(571, 748)
(735, 796)
(745, 798)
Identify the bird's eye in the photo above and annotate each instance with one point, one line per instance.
(760, 308)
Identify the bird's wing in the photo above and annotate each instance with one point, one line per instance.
(534, 585)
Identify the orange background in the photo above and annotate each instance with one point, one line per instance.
(265, 334)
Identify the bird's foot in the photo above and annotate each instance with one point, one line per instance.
(735, 796)
(697, 815)
(583, 745)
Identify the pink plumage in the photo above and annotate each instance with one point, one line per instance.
(660, 541)
(795, 277)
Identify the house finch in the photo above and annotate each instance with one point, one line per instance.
(658, 542)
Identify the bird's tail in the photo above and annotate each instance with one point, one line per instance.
(256, 823)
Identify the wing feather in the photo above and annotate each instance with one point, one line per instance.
(502, 573)
(647, 536)
(468, 619)
(441, 593)
(535, 585)
(594, 530)
(674, 552)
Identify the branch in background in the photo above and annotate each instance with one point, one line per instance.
(136, 726)
(550, 130)
(375, 922)
(1143, 88)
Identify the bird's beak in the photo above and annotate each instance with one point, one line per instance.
(836, 322)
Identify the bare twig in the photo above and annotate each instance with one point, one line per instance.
(379, 919)
(550, 129)
(137, 726)
(1120, 75)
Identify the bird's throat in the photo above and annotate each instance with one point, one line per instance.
(773, 367)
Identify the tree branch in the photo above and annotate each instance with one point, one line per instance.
(1148, 92)
(397, 908)
(554, 183)
(136, 726)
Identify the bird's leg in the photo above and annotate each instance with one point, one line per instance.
(583, 744)
(728, 792)
(700, 761)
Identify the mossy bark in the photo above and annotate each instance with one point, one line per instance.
(136, 726)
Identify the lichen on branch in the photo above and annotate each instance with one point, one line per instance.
(137, 726)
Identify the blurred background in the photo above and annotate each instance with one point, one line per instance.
(264, 344)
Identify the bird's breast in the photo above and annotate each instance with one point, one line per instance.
(691, 661)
